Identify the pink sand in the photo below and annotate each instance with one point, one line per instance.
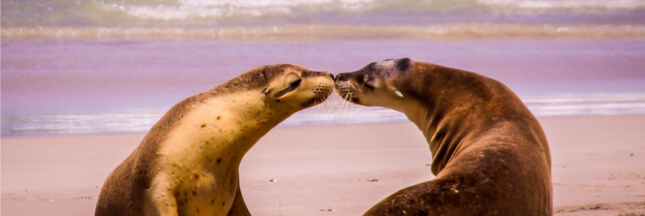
(333, 169)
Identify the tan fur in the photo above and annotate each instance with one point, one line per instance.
(188, 163)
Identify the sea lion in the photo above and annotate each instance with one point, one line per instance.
(188, 163)
(490, 155)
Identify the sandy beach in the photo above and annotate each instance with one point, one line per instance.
(334, 169)
(82, 81)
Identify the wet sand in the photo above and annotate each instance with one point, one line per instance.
(333, 169)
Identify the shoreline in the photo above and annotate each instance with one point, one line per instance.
(344, 173)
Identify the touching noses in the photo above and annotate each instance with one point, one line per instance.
(341, 77)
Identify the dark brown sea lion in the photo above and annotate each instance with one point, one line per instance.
(490, 155)
(188, 163)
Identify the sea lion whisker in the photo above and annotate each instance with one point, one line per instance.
(345, 107)
(328, 104)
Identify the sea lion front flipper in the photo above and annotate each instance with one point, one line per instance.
(162, 200)
(239, 207)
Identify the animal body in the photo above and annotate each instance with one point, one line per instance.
(490, 154)
(188, 163)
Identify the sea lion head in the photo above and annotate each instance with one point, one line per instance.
(295, 86)
(374, 84)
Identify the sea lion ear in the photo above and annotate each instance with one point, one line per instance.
(398, 93)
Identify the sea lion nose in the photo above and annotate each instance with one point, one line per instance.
(340, 77)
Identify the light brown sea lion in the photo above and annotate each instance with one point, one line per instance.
(188, 163)
(490, 155)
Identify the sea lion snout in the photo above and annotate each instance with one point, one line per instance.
(308, 73)
(346, 86)
(340, 77)
(346, 77)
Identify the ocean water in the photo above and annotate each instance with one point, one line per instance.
(209, 13)
(322, 19)
(112, 66)
(142, 120)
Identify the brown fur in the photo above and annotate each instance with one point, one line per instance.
(490, 155)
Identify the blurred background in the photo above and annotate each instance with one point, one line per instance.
(114, 66)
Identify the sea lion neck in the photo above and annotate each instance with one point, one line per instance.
(254, 117)
(439, 100)
(231, 123)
